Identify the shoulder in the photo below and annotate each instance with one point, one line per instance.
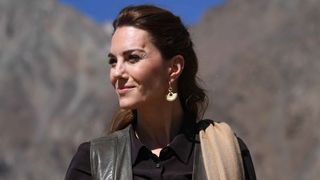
(111, 137)
(80, 164)
(203, 125)
(221, 128)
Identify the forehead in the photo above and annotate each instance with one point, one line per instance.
(129, 37)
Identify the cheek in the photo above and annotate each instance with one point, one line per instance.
(152, 77)
(112, 80)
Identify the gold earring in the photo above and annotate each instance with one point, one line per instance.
(171, 96)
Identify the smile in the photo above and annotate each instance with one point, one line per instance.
(124, 90)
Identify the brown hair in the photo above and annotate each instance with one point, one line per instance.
(171, 37)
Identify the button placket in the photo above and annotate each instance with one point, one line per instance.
(158, 165)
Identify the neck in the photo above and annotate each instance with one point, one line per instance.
(157, 125)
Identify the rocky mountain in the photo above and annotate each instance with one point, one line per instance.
(54, 90)
(259, 61)
(264, 62)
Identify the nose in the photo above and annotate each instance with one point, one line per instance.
(118, 70)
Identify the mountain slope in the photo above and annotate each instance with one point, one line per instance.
(264, 62)
(53, 87)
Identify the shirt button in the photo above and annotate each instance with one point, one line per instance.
(165, 150)
(158, 165)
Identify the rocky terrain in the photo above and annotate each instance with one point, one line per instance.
(259, 61)
(54, 90)
(264, 80)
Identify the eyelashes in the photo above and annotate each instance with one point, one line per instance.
(134, 58)
(131, 58)
(112, 61)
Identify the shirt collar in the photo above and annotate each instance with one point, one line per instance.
(181, 146)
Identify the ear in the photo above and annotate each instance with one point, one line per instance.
(176, 67)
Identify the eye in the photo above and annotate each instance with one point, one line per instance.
(133, 58)
(112, 61)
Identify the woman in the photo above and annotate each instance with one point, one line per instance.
(155, 134)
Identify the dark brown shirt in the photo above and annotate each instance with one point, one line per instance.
(175, 161)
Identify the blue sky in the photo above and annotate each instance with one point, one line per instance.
(106, 10)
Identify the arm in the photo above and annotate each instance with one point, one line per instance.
(79, 168)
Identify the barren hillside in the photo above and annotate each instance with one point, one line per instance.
(259, 61)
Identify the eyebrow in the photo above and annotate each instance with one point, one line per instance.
(126, 52)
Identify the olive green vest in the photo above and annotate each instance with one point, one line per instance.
(110, 158)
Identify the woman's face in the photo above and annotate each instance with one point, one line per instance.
(138, 72)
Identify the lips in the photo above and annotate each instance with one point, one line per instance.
(124, 89)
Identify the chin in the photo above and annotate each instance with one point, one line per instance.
(127, 105)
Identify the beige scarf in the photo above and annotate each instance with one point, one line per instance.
(221, 153)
